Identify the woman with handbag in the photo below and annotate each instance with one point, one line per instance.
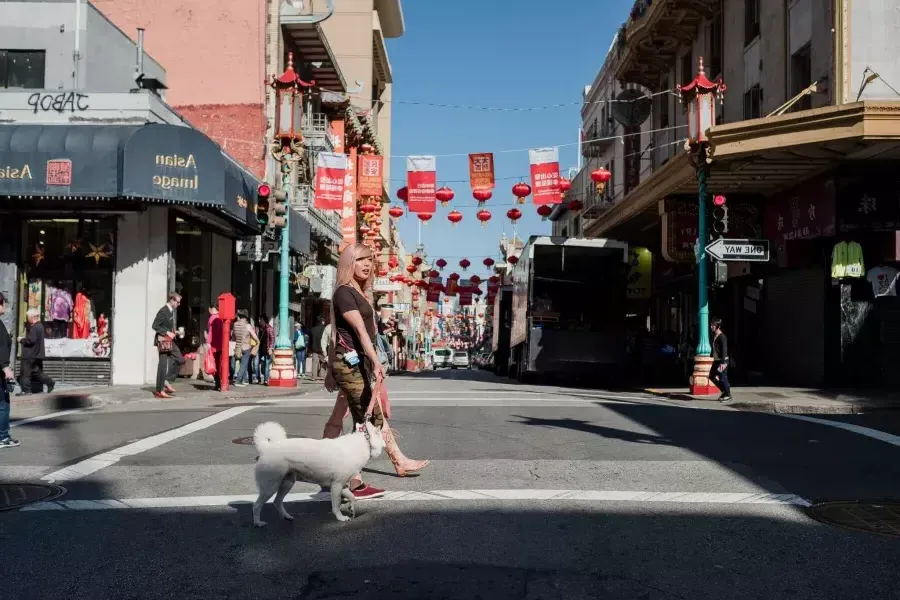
(244, 335)
(354, 365)
(170, 358)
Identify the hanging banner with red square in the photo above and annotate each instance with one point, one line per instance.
(481, 171)
(545, 175)
(421, 181)
(331, 168)
(434, 289)
(369, 173)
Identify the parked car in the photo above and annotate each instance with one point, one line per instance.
(442, 358)
(461, 360)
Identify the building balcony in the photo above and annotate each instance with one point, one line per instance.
(597, 140)
(315, 132)
(325, 223)
(649, 42)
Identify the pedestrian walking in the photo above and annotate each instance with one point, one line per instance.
(170, 358)
(354, 366)
(718, 374)
(244, 337)
(317, 347)
(300, 350)
(33, 355)
(267, 348)
(6, 381)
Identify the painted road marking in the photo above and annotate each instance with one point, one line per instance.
(61, 413)
(101, 461)
(442, 495)
(866, 431)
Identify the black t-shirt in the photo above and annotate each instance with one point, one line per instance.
(720, 347)
(347, 299)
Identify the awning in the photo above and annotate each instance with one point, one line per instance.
(299, 233)
(768, 155)
(149, 163)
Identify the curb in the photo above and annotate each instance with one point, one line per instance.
(783, 408)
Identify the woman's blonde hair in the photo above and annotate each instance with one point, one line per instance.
(346, 263)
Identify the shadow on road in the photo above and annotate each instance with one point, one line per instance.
(448, 551)
(777, 454)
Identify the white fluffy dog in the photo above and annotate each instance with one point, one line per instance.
(328, 462)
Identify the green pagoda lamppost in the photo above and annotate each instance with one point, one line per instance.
(699, 96)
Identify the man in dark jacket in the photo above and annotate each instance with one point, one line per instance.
(33, 355)
(169, 362)
(6, 377)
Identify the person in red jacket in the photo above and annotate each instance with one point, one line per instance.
(214, 339)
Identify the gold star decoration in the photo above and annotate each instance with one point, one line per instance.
(74, 246)
(98, 252)
(38, 255)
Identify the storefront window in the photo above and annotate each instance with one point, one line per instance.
(193, 266)
(68, 277)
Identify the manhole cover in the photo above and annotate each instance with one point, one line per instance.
(16, 495)
(872, 517)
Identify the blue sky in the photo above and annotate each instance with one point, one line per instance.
(498, 53)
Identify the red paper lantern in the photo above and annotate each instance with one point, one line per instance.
(368, 208)
(464, 263)
(403, 193)
(484, 216)
(494, 279)
(444, 195)
(367, 148)
(393, 262)
(521, 191)
(421, 283)
(396, 212)
(488, 262)
(410, 269)
(364, 229)
(455, 217)
(575, 205)
(441, 263)
(475, 279)
(544, 210)
(382, 272)
(482, 195)
(512, 260)
(425, 217)
(453, 277)
(514, 214)
(600, 177)
(433, 274)
(417, 260)
(564, 185)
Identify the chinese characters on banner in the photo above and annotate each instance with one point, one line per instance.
(369, 172)
(348, 213)
(331, 168)
(545, 175)
(481, 171)
(421, 180)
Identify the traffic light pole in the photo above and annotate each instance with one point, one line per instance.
(283, 373)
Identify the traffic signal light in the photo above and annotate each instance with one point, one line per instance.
(279, 209)
(262, 204)
(720, 216)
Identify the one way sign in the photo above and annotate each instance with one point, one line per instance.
(739, 250)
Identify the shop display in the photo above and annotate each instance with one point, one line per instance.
(883, 280)
(847, 260)
(70, 280)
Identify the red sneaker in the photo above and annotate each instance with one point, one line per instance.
(367, 492)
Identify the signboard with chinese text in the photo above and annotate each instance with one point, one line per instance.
(421, 180)
(545, 175)
(481, 171)
(370, 175)
(331, 169)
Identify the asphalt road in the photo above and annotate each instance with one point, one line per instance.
(533, 492)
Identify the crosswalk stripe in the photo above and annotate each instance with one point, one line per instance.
(530, 495)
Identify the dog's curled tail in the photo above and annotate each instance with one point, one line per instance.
(267, 434)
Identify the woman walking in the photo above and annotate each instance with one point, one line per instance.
(353, 364)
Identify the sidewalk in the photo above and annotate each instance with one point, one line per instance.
(72, 397)
(794, 400)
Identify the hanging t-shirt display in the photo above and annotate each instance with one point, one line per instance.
(883, 280)
(847, 260)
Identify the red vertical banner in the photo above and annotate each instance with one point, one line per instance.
(481, 171)
(369, 173)
(434, 289)
(545, 175)
(348, 213)
(421, 181)
(331, 168)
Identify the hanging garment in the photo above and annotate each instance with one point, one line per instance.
(81, 326)
(60, 305)
(847, 260)
(34, 294)
(101, 325)
(883, 280)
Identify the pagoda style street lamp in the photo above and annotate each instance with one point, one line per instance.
(287, 150)
(700, 97)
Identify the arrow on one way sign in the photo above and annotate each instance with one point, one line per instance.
(739, 250)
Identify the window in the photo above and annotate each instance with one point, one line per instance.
(716, 28)
(801, 77)
(687, 67)
(753, 102)
(22, 69)
(751, 20)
